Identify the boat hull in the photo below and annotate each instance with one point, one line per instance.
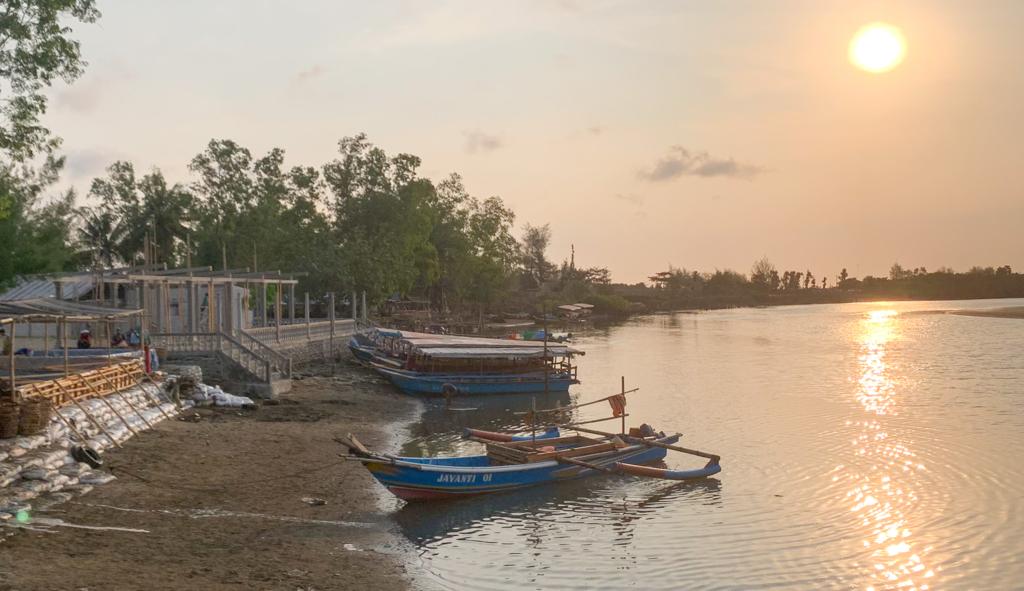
(362, 351)
(427, 384)
(422, 479)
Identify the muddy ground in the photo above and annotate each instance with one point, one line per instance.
(221, 502)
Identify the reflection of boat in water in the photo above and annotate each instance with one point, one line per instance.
(422, 363)
(484, 382)
(424, 522)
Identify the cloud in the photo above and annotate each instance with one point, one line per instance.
(82, 98)
(88, 163)
(85, 95)
(595, 130)
(478, 141)
(632, 198)
(310, 73)
(681, 162)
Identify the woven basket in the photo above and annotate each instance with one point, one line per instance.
(10, 416)
(35, 414)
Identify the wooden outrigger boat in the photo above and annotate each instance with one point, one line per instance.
(514, 461)
(510, 465)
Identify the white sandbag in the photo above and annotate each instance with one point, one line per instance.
(39, 473)
(96, 478)
(28, 461)
(35, 486)
(78, 489)
(74, 469)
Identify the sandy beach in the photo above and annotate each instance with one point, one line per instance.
(1010, 312)
(218, 503)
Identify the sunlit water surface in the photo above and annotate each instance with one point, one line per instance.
(865, 446)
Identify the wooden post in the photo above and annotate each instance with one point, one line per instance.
(167, 307)
(264, 311)
(355, 307)
(64, 330)
(623, 401)
(118, 390)
(109, 405)
(46, 339)
(10, 358)
(277, 312)
(330, 314)
(306, 308)
(210, 299)
(291, 303)
(109, 338)
(229, 307)
(127, 374)
(366, 315)
(545, 361)
(91, 418)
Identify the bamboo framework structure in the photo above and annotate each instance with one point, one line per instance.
(75, 388)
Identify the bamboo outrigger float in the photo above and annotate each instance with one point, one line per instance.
(515, 460)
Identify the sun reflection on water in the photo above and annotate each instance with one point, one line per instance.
(882, 485)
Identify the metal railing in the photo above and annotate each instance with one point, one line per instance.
(257, 364)
(278, 362)
(302, 333)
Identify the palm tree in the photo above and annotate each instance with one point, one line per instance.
(100, 236)
(163, 212)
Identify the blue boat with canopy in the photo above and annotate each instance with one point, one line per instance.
(421, 363)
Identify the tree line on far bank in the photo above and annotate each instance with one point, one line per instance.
(367, 221)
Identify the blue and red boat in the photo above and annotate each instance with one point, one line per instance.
(510, 464)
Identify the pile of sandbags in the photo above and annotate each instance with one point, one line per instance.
(43, 467)
(213, 395)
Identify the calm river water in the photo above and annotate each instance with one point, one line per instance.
(864, 446)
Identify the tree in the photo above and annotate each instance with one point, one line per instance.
(145, 207)
(843, 276)
(535, 245)
(382, 217)
(597, 276)
(761, 273)
(35, 49)
(99, 237)
(897, 272)
(35, 237)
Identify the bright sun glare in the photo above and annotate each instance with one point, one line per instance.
(877, 48)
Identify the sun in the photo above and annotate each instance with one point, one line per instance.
(877, 48)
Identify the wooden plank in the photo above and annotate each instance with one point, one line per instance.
(648, 443)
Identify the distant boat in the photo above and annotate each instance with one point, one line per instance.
(421, 363)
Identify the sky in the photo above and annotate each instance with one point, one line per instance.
(702, 135)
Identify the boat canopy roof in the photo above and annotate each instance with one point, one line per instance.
(462, 347)
(513, 352)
